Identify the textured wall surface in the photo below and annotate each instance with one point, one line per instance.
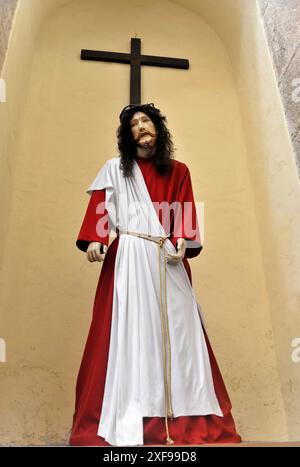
(7, 9)
(282, 27)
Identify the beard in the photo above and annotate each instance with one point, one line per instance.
(146, 144)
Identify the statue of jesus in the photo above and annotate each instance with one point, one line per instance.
(148, 374)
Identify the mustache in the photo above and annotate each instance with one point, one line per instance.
(143, 133)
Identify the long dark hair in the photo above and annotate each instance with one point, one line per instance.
(127, 147)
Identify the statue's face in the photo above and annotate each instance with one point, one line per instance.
(143, 130)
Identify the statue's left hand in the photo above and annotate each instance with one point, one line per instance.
(181, 247)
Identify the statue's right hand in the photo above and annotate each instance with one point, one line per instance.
(93, 252)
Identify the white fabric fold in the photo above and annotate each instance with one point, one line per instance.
(134, 386)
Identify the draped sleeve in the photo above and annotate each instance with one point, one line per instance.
(100, 217)
(185, 218)
(95, 223)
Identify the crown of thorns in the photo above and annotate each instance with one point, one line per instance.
(141, 107)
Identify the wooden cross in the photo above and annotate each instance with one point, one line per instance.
(135, 59)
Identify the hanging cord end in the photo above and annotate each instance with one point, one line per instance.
(169, 440)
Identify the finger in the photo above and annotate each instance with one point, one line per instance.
(171, 259)
(101, 256)
(176, 255)
(181, 243)
(177, 259)
(98, 255)
(181, 252)
(174, 258)
(89, 256)
(94, 254)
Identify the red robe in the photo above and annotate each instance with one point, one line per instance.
(195, 429)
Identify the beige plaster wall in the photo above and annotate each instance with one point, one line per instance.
(68, 130)
(16, 69)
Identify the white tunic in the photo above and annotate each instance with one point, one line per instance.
(134, 386)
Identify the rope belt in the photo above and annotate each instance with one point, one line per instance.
(164, 326)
